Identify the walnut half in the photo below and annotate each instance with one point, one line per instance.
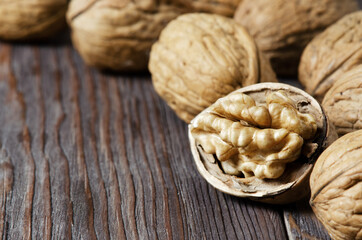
(260, 141)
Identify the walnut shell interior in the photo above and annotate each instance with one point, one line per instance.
(290, 186)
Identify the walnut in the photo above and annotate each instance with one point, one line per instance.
(31, 19)
(343, 102)
(332, 53)
(221, 7)
(118, 35)
(282, 28)
(202, 57)
(336, 187)
(260, 142)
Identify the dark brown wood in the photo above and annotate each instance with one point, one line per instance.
(90, 155)
(301, 223)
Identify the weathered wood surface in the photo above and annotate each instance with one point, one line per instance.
(89, 155)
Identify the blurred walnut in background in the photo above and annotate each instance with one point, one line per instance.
(220, 7)
(331, 54)
(118, 35)
(282, 28)
(31, 19)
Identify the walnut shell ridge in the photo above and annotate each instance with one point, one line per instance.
(282, 28)
(118, 35)
(293, 184)
(336, 187)
(330, 54)
(201, 57)
(31, 19)
(343, 102)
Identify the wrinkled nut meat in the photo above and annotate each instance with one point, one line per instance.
(329, 55)
(260, 142)
(117, 35)
(336, 187)
(202, 57)
(282, 28)
(343, 102)
(31, 19)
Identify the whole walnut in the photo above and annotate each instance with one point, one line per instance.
(260, 142)
(31, 19)
(118, 35)
(330, 54)
(201, 57)
(336, 187)
(343, 102)
(282, 28)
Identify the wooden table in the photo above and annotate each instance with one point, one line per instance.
(93, 155)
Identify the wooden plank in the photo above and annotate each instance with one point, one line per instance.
(91, 155)
(301, 223)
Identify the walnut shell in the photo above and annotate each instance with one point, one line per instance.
(330, 54)
(221, 7)
(296, 134)
(118, 35)
(202, 57)
(336, 187)
(31, 19)
(282, 28)
(343, 102)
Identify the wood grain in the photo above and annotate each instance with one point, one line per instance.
(88, 155)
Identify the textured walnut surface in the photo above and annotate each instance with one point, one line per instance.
(282, 28)
(343, 102)
(202, 57)
(331, 54)
(117, 34)
(336, 186)
(31, 19)
(253, 133)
